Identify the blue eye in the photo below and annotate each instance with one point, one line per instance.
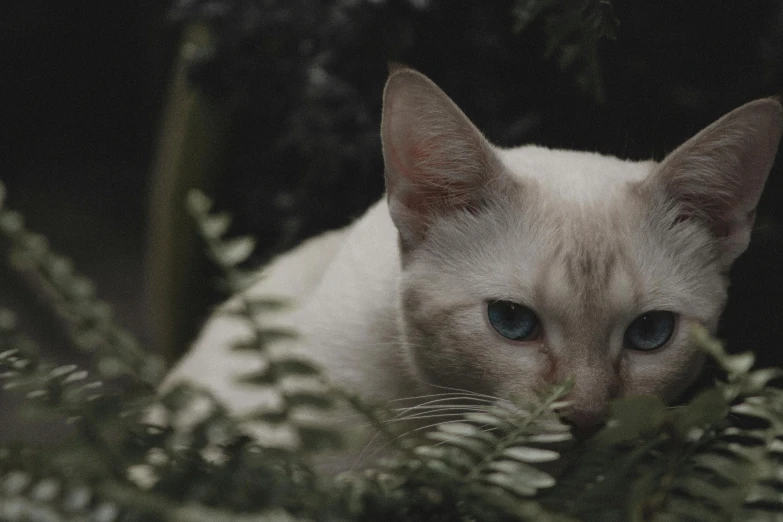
(650, 331)
(513, 321)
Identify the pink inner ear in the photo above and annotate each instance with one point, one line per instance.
(718, 175)
(429, 154)
(404, 151)
(430, 179)
(414, 157)
(423, 156)
(436, 160)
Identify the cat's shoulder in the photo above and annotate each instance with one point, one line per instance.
(294, 274)
(322, 279)
(362, 246)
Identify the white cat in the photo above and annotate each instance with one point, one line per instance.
(502, 271)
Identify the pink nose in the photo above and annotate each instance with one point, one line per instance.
(585, 421)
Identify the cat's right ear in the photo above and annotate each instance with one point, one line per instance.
(717, 176)
(435, 159)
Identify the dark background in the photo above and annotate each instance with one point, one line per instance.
(299, 83)
(82, 94)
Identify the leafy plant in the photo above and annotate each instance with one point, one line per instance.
(574, 31)
(132, 454)
(711, 459)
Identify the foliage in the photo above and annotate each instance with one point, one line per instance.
(573, 33)
(88, 320)
(717, 457)
(304, 78)
(313, 71)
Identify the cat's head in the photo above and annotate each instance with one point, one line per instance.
(523, 267)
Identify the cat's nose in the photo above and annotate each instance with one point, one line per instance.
(585, 421)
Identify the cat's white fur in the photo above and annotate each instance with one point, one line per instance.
(394, 305)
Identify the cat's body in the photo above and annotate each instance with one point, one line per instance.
(322, 277)
(504, 271)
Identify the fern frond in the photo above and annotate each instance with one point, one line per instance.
(574, 30)
(718, 457)
(89, 320)
(100, 415)
(482, 467)
(41, 496)
(729, 469)
(710, 459)
(24, 497)
(296, 416)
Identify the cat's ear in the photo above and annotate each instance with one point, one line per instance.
(435, 160)
(719, 174)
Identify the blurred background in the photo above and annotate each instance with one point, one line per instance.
(112, 112)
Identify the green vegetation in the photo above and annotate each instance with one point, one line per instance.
(717, 457)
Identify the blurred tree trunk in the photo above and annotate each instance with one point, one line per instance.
(188, 156)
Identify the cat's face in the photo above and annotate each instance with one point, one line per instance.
(528, 266)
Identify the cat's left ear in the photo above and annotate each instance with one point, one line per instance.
(719, 174)
(436, 161)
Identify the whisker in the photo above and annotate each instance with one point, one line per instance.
(405, 434)
(434, 412)
(449, 394)
(490, 398)
(420, 410)
(481, 407)
(480, 428)
(464, 391)
(437, 412)
(428, 404)
(427, 415)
